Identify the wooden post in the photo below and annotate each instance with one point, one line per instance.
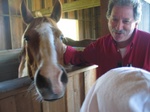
(103, 20)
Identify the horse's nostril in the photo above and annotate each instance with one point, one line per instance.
(42, 82)
(64, 78)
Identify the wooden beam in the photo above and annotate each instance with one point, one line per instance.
(103, 20)
(80, 4)
(72, 6)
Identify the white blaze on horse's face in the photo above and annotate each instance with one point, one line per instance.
(39, 56)
(49, 63)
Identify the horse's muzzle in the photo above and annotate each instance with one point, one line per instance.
(44, 87)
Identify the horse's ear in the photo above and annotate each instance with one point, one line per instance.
(26, 13)
(57, 10)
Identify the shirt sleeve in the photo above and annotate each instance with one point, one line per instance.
(70, 51)
(87, 56)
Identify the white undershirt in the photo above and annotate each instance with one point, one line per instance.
(123, 51)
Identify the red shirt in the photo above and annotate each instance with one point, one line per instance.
(105, 54)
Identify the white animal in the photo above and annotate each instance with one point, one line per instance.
(125, 89)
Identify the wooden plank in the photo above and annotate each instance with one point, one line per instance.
(16, 25)
(9, 63)
(4, 7)
(81, 28)
(18, 100)
(75, 93)
(1, 7)
(55, 106)
(78, 69)
(45, 106)
(16, 31)
(33, 5)
(86, 25)
(23, 102)
(82, 88)
(2, 37)
(13, 7)
(37, 4)
(92, 23)
(78, 91)
(13, 87)
(70, 95)
(80, 4)
(89, 79)
(97, 20)
(48, 3)
(8, 105)
(5, 37)
(103, 20)
(9, 55)
(71, 13)
(36, 106)
(72, 6)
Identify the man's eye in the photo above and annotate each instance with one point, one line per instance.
(126, 21)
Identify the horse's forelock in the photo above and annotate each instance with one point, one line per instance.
(38, 14)
(37, 21)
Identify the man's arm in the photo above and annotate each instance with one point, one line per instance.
(80, 43)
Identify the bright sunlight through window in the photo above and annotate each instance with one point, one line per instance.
(69, 28)
(148, 1)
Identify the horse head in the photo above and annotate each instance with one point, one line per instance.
(39, 57)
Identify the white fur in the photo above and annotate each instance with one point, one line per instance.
(35, 77)
(45, 31)
(125, 89)
(25, 70)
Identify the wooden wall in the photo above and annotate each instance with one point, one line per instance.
(103, 21)
(12, 26)
(89, 19)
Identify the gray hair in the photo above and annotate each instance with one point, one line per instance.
(137, 8)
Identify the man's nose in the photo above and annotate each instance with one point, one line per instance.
(119, 25)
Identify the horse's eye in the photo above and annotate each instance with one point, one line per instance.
(61, 37)
(26, 38)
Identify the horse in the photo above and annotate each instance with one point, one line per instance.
(40, 59)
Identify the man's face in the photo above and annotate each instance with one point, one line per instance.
(121, 23)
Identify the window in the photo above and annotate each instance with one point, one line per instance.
(69, 28)
(145, 21)
(148, 1)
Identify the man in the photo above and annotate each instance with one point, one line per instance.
(124, 46)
